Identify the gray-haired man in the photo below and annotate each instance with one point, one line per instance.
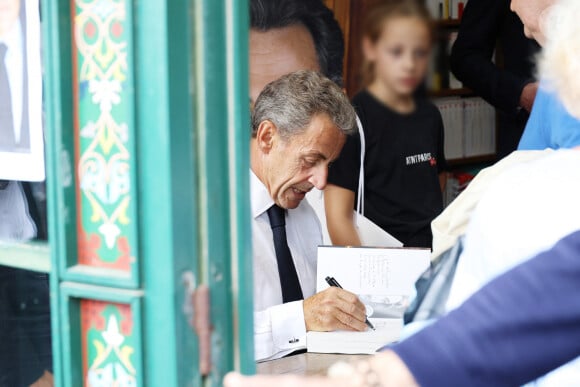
(299, 125)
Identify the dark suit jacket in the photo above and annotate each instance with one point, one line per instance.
(485, 25)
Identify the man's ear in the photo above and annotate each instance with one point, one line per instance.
(266, 135)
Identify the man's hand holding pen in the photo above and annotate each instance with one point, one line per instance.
(334, 309)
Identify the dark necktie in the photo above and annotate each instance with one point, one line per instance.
(291, 290)
(6, 122)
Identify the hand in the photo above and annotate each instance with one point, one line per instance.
(385, 369)
(334, 309)
(528, 96)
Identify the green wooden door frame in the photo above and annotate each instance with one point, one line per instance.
(188, 65)
(221, 51)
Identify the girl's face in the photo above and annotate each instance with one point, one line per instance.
(401, 54)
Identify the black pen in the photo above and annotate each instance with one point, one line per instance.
(332, 282)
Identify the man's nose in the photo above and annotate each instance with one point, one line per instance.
(319, 177)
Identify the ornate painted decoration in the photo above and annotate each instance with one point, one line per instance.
(105, 200)
(108, 344)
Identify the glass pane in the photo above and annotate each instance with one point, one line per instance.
(25, 337)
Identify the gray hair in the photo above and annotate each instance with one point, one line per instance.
(291, 102)
(559, 62)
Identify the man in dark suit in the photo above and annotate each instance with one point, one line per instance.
(511, 86)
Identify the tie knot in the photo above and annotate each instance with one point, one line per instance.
(3, 49)
(276, 215)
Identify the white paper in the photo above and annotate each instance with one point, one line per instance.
(368, 342)
(372, 271)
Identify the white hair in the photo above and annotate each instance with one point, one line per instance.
(559, 62)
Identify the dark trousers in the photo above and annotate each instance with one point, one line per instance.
(25, 336)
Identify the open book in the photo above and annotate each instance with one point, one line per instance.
(383, 278)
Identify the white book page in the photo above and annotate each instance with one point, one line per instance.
(368, 342)
(372, 271)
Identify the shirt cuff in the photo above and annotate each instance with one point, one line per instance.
(288, 326)
(279, 331)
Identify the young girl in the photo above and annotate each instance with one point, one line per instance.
(403, 134)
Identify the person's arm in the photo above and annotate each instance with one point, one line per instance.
(281, 329)
(340, 194)
(518, 327)
(471, 56)
(339, 204)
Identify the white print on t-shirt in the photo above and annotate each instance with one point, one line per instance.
(420, 158)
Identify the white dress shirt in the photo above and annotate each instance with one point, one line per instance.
(15, 69)
(279, 329)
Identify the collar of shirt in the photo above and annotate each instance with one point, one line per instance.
(260, 197)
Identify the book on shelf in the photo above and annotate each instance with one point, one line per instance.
(383, 279)
(456, 183)
(446, 9)
(469, 127)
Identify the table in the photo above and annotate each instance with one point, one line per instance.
(303, 364)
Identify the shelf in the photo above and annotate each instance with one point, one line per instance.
(448, 23)
(464, 91)
(471, 160)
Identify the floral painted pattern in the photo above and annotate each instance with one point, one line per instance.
(108, 344)
(106, 203)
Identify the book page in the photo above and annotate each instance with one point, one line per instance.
(372, 271)
(383, 279)
(387, 331)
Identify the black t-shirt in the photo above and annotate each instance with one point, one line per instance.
(403, 157)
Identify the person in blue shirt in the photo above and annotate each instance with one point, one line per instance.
(550, 125)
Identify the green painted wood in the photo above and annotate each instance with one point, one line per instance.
(222, 124)
(213, 183)
(167, 206)
(192, 135)
(59, 133)
(237, 21)
(59, 183)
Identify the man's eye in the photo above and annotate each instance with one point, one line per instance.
(309, 162)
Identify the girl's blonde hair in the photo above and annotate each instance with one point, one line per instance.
(559, 62)
(375, 21)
